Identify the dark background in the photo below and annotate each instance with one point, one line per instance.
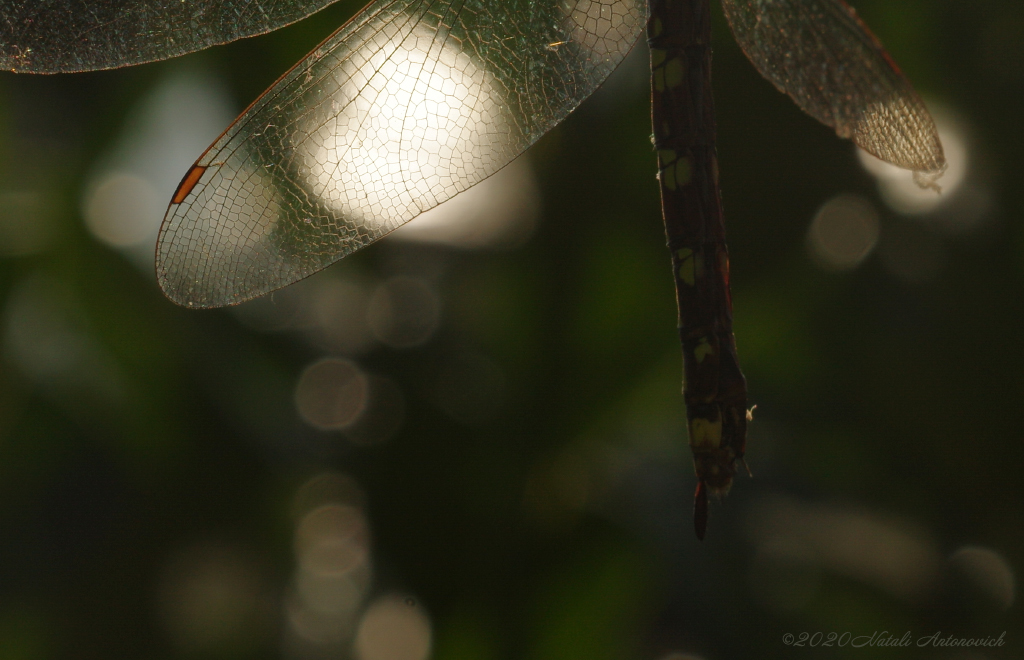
(155, 475)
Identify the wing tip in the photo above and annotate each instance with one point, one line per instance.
(927, 179)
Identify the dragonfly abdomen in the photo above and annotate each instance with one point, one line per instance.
(679, 34)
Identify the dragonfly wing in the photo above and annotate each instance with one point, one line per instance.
(405, 106)
(64, 36)
(821, 55)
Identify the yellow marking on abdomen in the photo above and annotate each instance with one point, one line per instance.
(684, 171)
(686, 266)
(705, 434)
(703, 349)
(667, 172)
(675, 72)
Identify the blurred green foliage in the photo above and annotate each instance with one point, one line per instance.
(558, 525)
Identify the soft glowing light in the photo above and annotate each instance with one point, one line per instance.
(331, 545)
(393, 628)
(404, 312)
(331, 394)
(372, 165)
(892, 555)
(120, 210)
(212, 598)
(326, 488)
(498, 212)
(333, 567)
(843, 232)
(312, 636)
(897, 186)
(330, 312)
(987, 573)
(332, 538)
(596, 24)
(131, 185)
(336, 319)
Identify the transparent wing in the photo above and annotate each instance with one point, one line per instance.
(821, 55)
(408, 104)
(64, 36)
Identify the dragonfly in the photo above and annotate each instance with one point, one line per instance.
(414, 101)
